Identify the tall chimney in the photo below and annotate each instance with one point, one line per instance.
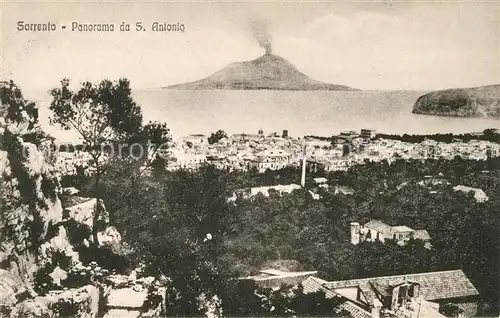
(355, 233)
(375, 308)
(304, 163)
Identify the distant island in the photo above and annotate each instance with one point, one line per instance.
(268, 72)
(482, 102)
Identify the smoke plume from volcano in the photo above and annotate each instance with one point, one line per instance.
(268, 72)
(260, 31)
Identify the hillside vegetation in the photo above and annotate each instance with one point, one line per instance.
(482, 102)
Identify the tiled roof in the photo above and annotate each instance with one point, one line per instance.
(368, 292)
(433, 285)
(378, 226)
(379, 288)
(277, 272)
(401, 228)
(273, 153)
(354, 310)
(314, 284)
(272, 278)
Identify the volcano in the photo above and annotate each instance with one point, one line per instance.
(268, 72)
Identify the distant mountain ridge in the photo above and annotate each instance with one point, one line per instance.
(482, 102)
(269, 72)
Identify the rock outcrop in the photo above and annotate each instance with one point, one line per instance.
(48, 262)
(31, 211)
(481, 102)
(32, 231)
(77, 302)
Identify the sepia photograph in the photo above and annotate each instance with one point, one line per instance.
(250, 159)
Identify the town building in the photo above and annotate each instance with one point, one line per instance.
(315, 165)
(417, 295)
(246, 151)
(347, 135)
(347, 148)
(194, 140)
(188, 161)
(376, 230)
(479, 194)
(412, 295)
(321, 181)
(367, 133)
(272, 159)
(250, 192)
(491, 152)
(67, 162)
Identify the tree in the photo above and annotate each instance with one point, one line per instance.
(16, 109)
(103, 114)
(215, 137)
(177, 225)
(244, 298)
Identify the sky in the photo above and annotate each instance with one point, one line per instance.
(368, 45)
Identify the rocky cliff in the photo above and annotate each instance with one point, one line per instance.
(481, 102)
(269, 72)
(33, 233)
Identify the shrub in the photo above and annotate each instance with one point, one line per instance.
(43, 283)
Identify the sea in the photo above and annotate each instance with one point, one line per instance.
(319, 113)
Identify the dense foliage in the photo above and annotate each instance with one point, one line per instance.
(487, 135)
(101, 114)
(109, 122)
(14, 108)
(215, 137)
(177, 225)
(316, 233)
(181, 225)
(245, 298)
(168, 219)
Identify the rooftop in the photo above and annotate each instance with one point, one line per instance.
(272, 278)
(355, 310)
(378, 226)
(320, 180)
(434, 285)
(267, 274)
(401, 228)
(314, 284)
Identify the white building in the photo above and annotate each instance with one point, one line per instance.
(479, 194)
(186, 161)
(376, 230)
(250, 192)
(272, 159)
(67, 162)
